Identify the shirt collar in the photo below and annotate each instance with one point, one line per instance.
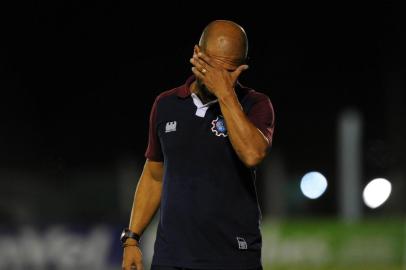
(184, 90)
(198, 102)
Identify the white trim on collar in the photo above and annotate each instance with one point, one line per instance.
(201, 108)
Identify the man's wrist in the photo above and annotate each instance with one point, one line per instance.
(228, 97)
(130, 243)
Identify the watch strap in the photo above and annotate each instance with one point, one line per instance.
(133, 235)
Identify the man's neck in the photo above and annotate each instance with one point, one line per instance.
(194, 88)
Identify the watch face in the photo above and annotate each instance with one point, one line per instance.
(123, 236)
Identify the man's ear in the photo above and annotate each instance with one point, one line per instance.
(196, 49)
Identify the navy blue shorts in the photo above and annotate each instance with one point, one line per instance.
(156, 267)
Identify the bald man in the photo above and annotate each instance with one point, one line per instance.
(206, 139)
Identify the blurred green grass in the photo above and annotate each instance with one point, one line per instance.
(304, 244)
(267, 267)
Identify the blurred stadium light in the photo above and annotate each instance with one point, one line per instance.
(376, 192)
(313, 185)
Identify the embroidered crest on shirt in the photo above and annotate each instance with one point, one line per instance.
(170, 126)
(218, 126)
(242, 244)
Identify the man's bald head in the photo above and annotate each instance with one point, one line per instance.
(225, 41)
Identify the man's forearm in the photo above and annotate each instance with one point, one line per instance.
(248, 142)
(147, 198)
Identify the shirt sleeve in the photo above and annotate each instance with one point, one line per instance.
(154, 150)
(262, 116)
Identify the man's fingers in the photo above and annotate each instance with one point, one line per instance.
(133, 267)
(127, 267)
(202, 63)
(205, 58)
(197, 64)
(198, 73)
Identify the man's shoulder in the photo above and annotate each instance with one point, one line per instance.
(168, 94)
(252, 95)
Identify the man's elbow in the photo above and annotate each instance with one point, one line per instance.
(254, 158)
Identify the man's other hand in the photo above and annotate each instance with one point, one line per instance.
(132, 258)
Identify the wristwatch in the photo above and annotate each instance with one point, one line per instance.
(129, 234)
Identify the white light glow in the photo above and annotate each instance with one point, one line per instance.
(377, 192)
(313, 185)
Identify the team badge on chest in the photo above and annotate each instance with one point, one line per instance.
(218, 126)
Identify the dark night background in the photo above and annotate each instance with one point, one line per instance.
(78, 80)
